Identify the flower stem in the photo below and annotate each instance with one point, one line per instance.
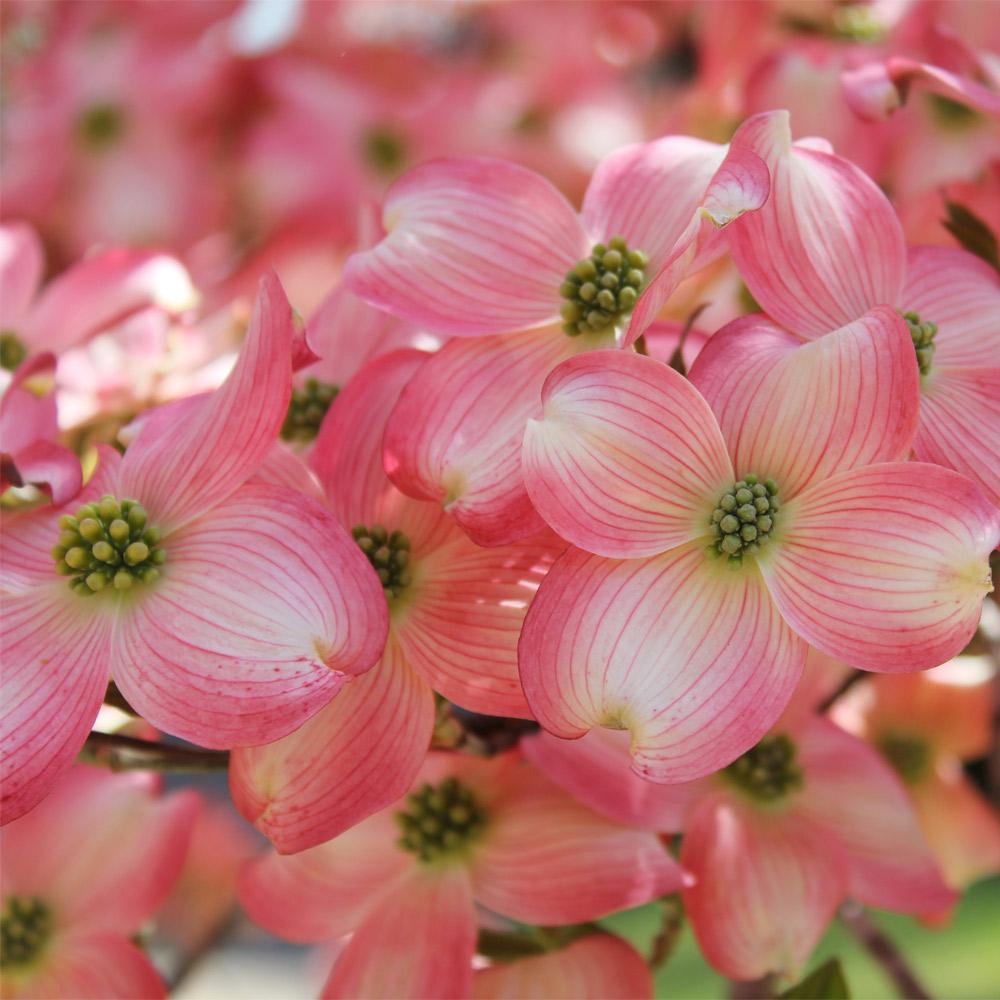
(126, 753)
(880, 946)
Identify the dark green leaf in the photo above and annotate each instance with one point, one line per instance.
(825, 983)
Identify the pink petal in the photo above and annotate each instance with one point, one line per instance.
(104, 849)
(359, 754)
(91, 964)
(961, 294)
(547, 859)
(52, 468)
(766, 886)
(283, 467)
(473, 246)
(55, 652)
(180, 469)
(692, 658)
(834, 245)
(417, 943)
(455, 435)
(797, 412)
(326, 891)
(596, 967)
(596, 770)
(627, 459)
(100, 292)
(960, 424)
(885, 567)
(853, 795)
(265, 607)
(22, 263)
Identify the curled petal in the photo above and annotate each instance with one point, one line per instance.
(834, 245)
(473, 246)
(22, 264)
(627, 459)
(265, 607)
(49, 466)
(885, 567)
(798, 412)
(692, 658)
(355, 756)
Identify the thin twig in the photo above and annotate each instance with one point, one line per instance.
(116, 699)
(126, 753)
(671, 925)
(848, 682)
(881, 947)
(753, 989)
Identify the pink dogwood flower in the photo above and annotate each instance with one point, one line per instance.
(80, 875)
(226, 611)
(484, 249)
(808, 817)
(472, 831)
(816, 277)
(723, 532)
(455, 614)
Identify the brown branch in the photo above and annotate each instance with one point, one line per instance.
(116, 699)
(671, 925)
(753, 989)
(126, 753)
(845, 685)
(881, 947)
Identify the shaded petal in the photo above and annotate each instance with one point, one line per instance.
(547, 859)
(326, 891)
(834, 247)
(52, 468)
(55, 651)
(885, 567)
(357, 755)
(766, 886)
(104, 849)
(265, 606)
(184, 467)
(473, 246)
(596, 770)
(418, 943)
(596, 967)
(960, 424)
(22, 264)
(692, 658)
(455, 435)
(797, 412)
(853, 795)
(627, 459)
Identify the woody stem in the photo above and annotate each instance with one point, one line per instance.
(126, 753)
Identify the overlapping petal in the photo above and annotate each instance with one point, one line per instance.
(885, 567)
(22, 263)
(693, 659)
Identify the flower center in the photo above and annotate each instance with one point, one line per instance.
(602, 288)
(101, 125)
(389, 554)
(922, 335)
(108, 544)
(910, 756)
(440, 820)
(25, 928)
(743, 519)
(12, 350)
(384, 150)
(768, 772)
(306, 410)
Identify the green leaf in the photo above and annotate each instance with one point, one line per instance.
(972, 232)
(825, 983)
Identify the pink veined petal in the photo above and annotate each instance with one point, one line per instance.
(960, 424)
(885, 567)
(547, 859)
(22, 263)
(693, 659)
(627, 459)
(181, 468)
(357, 755)
(418, 942)
(90, 965)
(852, 794)
(961, 294)
(329, 890)
(596, 769)
(455, 435)
(833, 247)
(264, 608)
(103, 850)
(799, 412)
(766, 886)
(101, 291)
(473, 246)
(55, 648)
(596, 967)
(283, 467)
